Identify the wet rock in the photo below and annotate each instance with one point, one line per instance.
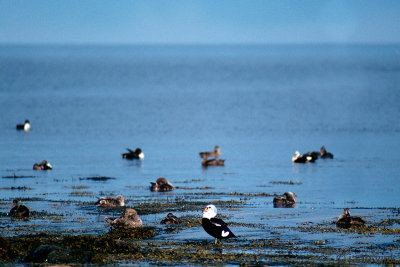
(7, 251)
(50, 254)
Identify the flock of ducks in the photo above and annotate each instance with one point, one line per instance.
(215, 227)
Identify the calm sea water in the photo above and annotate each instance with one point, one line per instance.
(260, 104)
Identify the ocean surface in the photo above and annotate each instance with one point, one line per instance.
(259, 103)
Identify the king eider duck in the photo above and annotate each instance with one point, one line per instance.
(347, 221)
(213, 226)
(298, 158)
(26, 126)
(161, 185)
(118, 201)
(170, 219)
(287, 200)
(212, 162)
(44, 165)
(18, 209)
(130, 219)
(216, 153)
(137, 154)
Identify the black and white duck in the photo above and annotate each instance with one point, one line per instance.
(44, 165)
(26, 126)
(137, 154)
(214, 226)
(118, 201)
(130, 219)
(298, 158)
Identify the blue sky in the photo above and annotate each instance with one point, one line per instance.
(199, 21)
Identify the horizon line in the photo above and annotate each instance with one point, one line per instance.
(189, 43)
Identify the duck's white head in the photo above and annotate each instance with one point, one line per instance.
(296, 155)
(27, 126)
(210, 212)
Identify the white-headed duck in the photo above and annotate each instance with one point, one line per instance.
(26, 126)
(137, 154)
(213, 226)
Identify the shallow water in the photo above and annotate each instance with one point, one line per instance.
(258, 103)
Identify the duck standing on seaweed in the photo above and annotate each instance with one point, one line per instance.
(213, 226)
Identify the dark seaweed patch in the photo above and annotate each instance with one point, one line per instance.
(97, 178)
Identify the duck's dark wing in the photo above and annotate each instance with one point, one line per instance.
(130, 150)
(357, 220)
(222, 228)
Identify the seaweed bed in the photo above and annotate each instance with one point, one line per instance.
(27, 245)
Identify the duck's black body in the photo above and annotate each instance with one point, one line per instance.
(137, 154)
(20, 210)
(304, 159)
(26, 126)
(217, 228)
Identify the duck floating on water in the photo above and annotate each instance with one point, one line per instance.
(322, 154)
(18, 209)
(216, 153)
(118, 201)
(130, 219)
(170, 219)
(347, 221)
(298, 158)
(26, 126)
(212, 162)
(44, 165)
(215, 227)
(161, 185)
(287, 200)
(137, 154)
